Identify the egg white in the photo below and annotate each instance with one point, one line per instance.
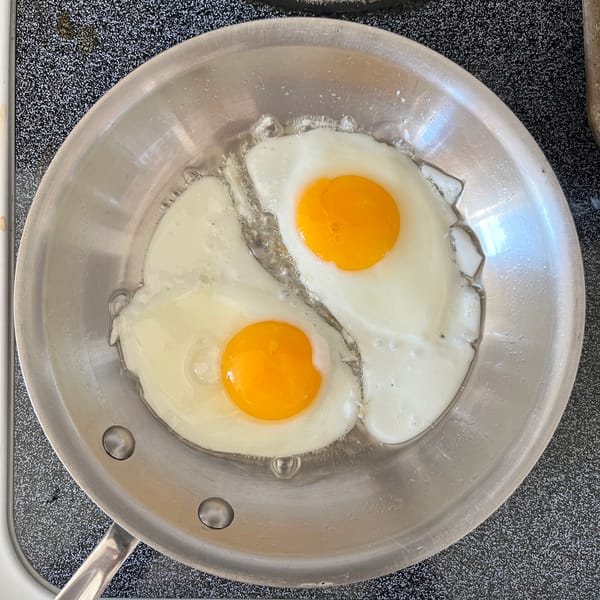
(413, 316)
(201, 286)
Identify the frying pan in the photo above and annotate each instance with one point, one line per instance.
(355, 511)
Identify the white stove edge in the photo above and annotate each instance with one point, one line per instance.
(17, 582)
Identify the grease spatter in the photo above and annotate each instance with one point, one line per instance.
(85, 36)
(65, 26)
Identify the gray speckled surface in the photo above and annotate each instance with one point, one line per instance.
(544, 542)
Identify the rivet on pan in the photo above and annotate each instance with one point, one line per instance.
(215, 513)
(118, 442)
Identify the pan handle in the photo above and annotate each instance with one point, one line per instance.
(95, 573)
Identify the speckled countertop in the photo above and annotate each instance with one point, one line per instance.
(544, 541)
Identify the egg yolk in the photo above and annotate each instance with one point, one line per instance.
(267, 370)
(349, 220)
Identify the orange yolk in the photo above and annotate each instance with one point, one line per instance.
(349, 220)
(268, 372)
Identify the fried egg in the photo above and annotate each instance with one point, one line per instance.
(370, 238)
(224, 357)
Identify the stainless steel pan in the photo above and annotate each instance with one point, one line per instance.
(347, 515)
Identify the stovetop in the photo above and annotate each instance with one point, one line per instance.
(544, 541)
